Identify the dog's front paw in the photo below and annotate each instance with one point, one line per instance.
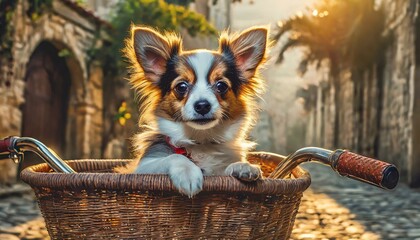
(244, 171)
(187, 177)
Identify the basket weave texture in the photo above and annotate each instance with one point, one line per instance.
(98, 204)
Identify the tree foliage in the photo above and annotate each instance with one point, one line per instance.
(7, 9)
(156, 13)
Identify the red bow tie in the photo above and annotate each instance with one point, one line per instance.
(177, 150)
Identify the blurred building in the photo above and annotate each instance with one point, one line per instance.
(279, 126)
(50, 88)
(379, 111)
(102, 8)
(217, 13)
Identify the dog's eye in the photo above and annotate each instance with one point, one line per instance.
(221, 87)
(182, 88)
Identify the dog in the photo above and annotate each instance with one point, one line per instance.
(196, 107)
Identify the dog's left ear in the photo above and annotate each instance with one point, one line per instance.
(248, 49)
(153, 50)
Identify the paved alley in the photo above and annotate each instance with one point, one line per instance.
(338, 208)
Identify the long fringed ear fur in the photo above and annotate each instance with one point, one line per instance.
(153, 50)
(248, 49)
(149, 54)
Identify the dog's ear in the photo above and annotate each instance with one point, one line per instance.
(247, 48)
(153, 50)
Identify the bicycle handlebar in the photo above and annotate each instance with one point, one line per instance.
(365, 169)
(18, 145)
(5, 144)
(358, 167)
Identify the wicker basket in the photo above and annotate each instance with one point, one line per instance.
(95, 204)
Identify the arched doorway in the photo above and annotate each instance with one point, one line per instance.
(47, 90)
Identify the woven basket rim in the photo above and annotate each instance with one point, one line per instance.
(37, 176)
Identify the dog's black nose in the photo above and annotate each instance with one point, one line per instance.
(202, 107)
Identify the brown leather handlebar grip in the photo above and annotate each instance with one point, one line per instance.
(5, 144)
(369, 170)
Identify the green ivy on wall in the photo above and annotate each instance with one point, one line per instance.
(37, 8)
(7, 9)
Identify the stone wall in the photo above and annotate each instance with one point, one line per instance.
(376, 106)
(68, 29)
(398, 93)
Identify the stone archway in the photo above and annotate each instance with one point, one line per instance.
(47, 92)
(73, 31)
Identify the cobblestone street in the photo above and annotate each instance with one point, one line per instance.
(333, 208)
(337, 208)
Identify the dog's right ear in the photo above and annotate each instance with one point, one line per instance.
(153, 50)
(248, 49)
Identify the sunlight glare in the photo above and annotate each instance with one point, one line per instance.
(315, 13)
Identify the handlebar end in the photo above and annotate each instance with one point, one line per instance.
(391, 177)
(6, 144)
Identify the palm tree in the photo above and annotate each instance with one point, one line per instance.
(346, 34)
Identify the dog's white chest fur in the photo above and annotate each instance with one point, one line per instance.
(213, 158)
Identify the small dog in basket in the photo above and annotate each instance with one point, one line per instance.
(196, 107)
